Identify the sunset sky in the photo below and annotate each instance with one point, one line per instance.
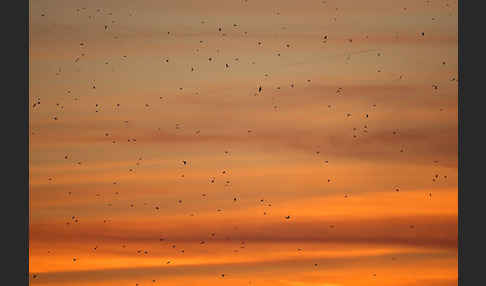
(277, 143)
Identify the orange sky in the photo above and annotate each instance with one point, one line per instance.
(356, 103)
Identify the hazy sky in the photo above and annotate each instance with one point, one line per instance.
(319, 141)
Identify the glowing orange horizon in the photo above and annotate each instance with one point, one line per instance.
(156, 159)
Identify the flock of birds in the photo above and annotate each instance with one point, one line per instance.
(185, 164)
